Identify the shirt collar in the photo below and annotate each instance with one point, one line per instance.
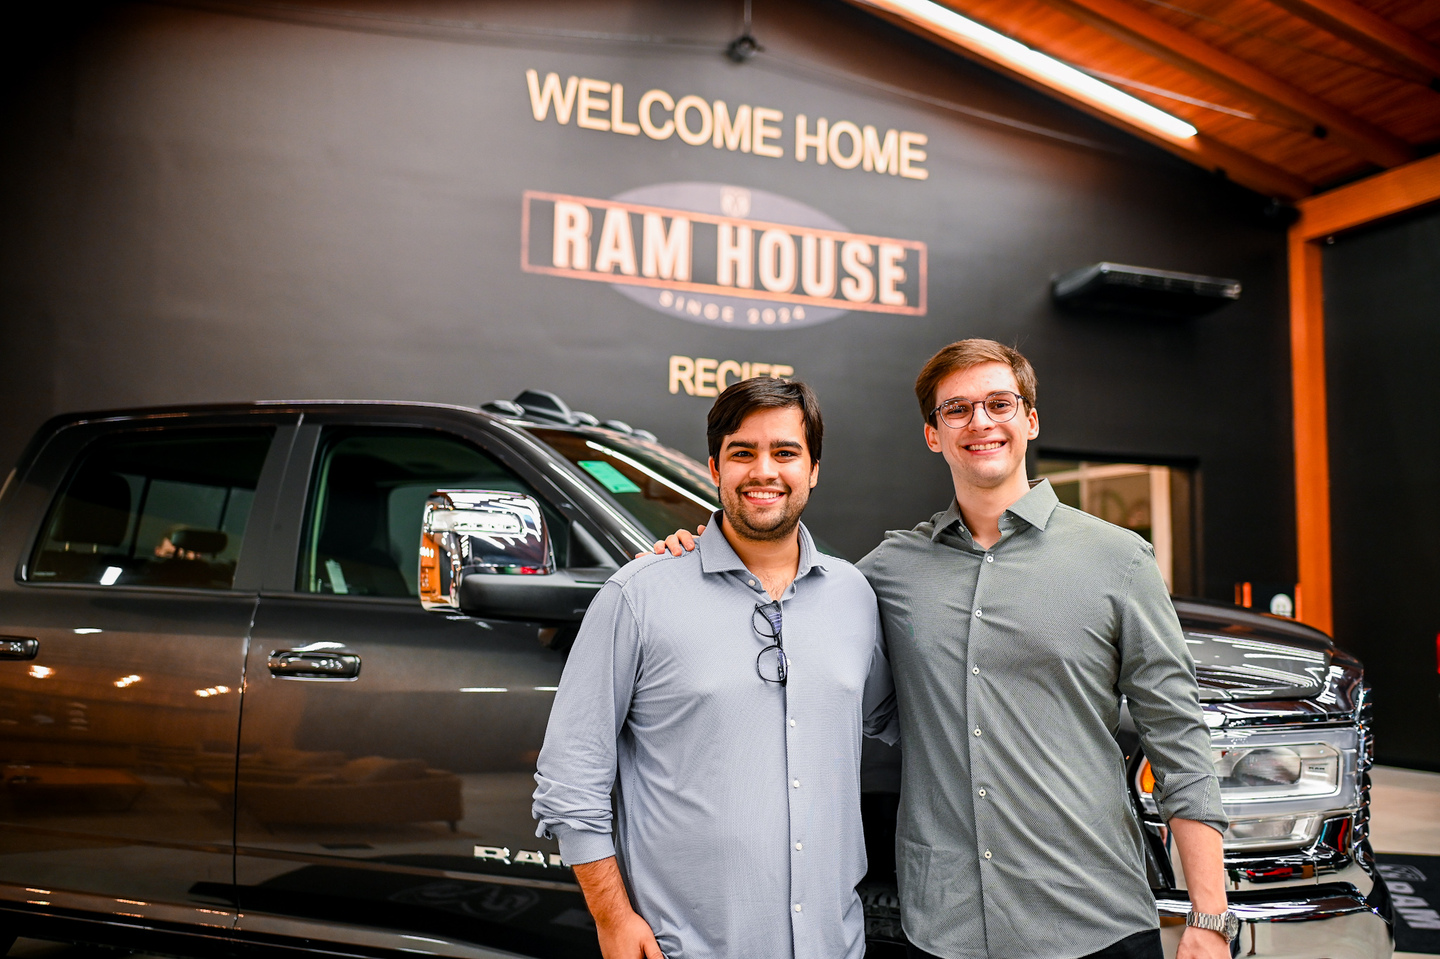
(1035, 508)
(718, 556)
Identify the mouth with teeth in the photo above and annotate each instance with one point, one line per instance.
(984, 447)
(762, 497)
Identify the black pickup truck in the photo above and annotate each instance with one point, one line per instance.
(274, 676)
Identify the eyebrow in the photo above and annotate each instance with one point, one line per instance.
(777, 444)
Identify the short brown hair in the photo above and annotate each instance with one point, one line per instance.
(763, 393)
(960, 356)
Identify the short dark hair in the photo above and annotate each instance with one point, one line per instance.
(763, 393)
(960, 356)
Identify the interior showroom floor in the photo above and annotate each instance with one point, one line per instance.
(1405, 834)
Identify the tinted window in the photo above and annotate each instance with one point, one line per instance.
(154, 508)
(368, 499)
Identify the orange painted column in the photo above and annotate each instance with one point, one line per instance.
(1312, 439)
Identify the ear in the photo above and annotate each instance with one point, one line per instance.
(814, 474)
(932, 438)
(714, 473)
(1034, 432)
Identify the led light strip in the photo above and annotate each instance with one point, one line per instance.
(950, 25)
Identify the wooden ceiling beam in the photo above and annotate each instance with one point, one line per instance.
(1371, 33)
(1204, 151)
(1198, 58)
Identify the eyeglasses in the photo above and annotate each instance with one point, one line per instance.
(1001, 406)
(771, 663)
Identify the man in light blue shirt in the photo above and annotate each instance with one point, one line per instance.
(729, 691)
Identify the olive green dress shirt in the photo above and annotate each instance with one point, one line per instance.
(1017, 836)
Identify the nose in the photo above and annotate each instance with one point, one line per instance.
(766, 466)
(975, 414)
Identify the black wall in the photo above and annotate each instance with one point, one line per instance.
(206, 206)
(1382, 342)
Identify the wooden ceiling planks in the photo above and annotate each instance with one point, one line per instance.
(1297, 95)
(1373, 33)
(1299, 53)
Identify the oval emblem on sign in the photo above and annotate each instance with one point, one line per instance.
(723, 255)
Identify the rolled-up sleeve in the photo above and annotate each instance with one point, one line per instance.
(576, 768)
(1157, 677)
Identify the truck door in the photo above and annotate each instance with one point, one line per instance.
(121, 671)
(387, 753)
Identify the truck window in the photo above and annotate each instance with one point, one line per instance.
(368, 498)
(154, 508)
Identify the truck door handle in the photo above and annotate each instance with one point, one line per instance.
(293, 664)
(19, 647)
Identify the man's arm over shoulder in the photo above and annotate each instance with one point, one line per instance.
(1157, 677)
(576, 769)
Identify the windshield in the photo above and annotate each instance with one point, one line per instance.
(662, 489)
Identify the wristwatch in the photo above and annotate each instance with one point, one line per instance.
(1226, 923)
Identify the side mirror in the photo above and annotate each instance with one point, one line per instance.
(488, 553)
(484, 532)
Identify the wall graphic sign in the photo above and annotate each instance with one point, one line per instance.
(722, 255)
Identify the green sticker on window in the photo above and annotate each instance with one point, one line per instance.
(608, 476)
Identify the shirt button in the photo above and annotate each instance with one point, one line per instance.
(975, 670)
(798, 907)
(982, 793)
(977, 613)
(751, 582)
(795, 783)
(989, 558)
(799, 846)
(977, 732)
(987, 854)
(792, 722)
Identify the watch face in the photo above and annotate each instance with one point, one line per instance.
(1232, 925)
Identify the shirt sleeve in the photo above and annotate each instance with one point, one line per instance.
(1157, 677)
(575, 772)
(882, 720)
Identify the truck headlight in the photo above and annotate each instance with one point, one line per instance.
(1250, 773)
(1278, 788)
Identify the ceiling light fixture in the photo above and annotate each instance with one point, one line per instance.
(999, 48)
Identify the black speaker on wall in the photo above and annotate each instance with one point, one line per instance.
(1140, 291)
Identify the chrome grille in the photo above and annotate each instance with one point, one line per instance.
(1364, 759)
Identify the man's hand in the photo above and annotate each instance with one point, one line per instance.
(1198, 944)
(623, 933)
(630, 937)
(677, 542)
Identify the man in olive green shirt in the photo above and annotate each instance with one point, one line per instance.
(1014, 625)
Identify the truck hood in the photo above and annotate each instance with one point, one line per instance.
(1242, 656)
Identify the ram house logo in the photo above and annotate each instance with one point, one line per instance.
(722, 255)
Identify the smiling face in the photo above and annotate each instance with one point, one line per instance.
(765, 474)
(983, 455)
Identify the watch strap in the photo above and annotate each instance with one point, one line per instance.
(1225, 923)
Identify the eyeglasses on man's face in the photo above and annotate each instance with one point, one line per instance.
(771, 663)
(1000, 406)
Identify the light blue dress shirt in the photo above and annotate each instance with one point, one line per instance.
(737, 805)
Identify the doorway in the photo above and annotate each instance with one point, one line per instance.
(1157, 501)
